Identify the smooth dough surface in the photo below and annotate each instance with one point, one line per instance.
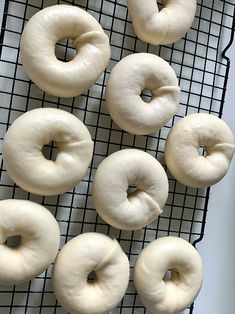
(86, 253)
(164, 27)
(23, 144)
(128, 79)
(37, 48)
(168, 296)
(40, 239)
(110, 189)
(182, 150)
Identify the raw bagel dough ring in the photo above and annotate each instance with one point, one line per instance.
(128, 79)
(40, 239)
(166, 26)
(168, 296)
(113, 176)
(22, 151)
(182, 145)
(44, 30)
(90, 252)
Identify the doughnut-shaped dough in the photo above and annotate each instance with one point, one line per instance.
(166, 26)
(40, 239)
(44, 30)
(177, 293)
(122, 169)
(22, 151)
(128, 79)
(182, 150)
(90, 252)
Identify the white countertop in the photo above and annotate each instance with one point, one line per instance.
(217, 248)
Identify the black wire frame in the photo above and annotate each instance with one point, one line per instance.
(186, 209)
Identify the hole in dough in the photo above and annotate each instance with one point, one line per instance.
(146, 95)
(64, 50)
(202, 151)
(160, 4)
(172, 275)
(13, 241)
(49, 151)
(168, 275)
(91, 277)
(131, 189)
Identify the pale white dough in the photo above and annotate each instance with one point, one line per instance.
(40, 239)
(172, 295)
(137, 209)
(22, 151)
(182, 150)
(166, 26)
(128, 79)
(90, 252)
(37, 48)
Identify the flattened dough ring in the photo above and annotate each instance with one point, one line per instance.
(87, 253)
(164, 27)
(40, 239)
(128, 79)
(113, 176)
(40, 35)
(22, 151)
(177, 293)
(182, 150)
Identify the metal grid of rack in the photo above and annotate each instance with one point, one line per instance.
(202, 71)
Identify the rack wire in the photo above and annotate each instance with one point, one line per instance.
(202, 70)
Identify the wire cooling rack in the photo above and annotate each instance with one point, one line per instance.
(202, 72)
